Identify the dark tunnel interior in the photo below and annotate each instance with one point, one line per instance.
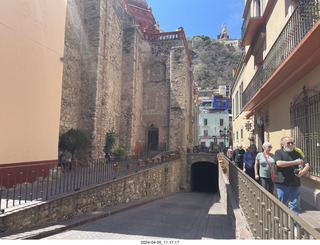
(204, 177)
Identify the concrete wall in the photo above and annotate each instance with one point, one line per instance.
(156, 181)
(31, 45)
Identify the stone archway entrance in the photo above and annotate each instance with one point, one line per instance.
(204, 177)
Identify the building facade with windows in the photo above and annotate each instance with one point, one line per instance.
(214, 119)
(276, 87)
(214, 128)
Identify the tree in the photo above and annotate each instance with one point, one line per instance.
(201, 72)
(111, 137)
(203, 37)
(73, 140)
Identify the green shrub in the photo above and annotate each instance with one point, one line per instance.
(121, 151)
(73, 140)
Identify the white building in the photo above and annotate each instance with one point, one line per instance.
(213, 127)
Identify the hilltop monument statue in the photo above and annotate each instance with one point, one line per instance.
(224, 33)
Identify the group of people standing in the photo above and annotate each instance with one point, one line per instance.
(282, 169)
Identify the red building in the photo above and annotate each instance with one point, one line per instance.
(143, 16)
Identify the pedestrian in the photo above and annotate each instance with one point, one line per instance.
(230, 152)
(264, 167)
(66, 161)
(237, 156)
(249, 160)
(290, 167)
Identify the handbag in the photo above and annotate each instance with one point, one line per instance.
(271, 172)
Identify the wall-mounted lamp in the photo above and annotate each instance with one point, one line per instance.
(259, 120)
(248, 126)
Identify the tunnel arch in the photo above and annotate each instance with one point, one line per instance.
(204, 177)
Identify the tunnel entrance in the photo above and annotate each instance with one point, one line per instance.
(204, 177)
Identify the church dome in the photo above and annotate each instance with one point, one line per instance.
(139, 3)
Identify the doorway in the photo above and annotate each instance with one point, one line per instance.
(153, 139)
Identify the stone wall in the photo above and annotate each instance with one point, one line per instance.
(115, 79)
(156, 181)
(92, 81)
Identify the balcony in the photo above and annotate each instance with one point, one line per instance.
(293, 55)
(252, 20)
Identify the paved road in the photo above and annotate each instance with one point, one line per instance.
(181, 216)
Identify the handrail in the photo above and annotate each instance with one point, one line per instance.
(28, 183)
(267, 217)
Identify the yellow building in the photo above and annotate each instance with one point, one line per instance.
(276, 87)
(31, 47)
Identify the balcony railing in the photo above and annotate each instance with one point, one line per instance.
(300, 23)
(164, 36)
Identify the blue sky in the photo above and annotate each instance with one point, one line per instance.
(199, 17)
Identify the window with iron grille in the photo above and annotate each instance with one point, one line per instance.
(305, 126)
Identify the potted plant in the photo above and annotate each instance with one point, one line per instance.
(224, 169)
(147, 161)
(153, 160)
(121, 152)
(139, 162)
(116, 167)
(159, 159)
(129, 165)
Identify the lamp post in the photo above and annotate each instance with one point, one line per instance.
(223, 133)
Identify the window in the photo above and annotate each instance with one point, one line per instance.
(237, 135)
(257, 8)
(241, 134)
(233, 114)
(205, 122)
(240, 95)
(221, 122)
(237, 103)
(205, 133)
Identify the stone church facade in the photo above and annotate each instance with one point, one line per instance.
(121, 73)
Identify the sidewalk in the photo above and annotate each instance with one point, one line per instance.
(310, 214)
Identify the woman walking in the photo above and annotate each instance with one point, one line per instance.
(265, 167)
(249, 160)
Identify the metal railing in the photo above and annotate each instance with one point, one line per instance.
(20, 185)
(305, 128)
(305, 16)
(267, 217)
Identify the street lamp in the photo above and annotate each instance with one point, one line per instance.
(224, 135)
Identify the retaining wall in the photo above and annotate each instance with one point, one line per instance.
(159, 180)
